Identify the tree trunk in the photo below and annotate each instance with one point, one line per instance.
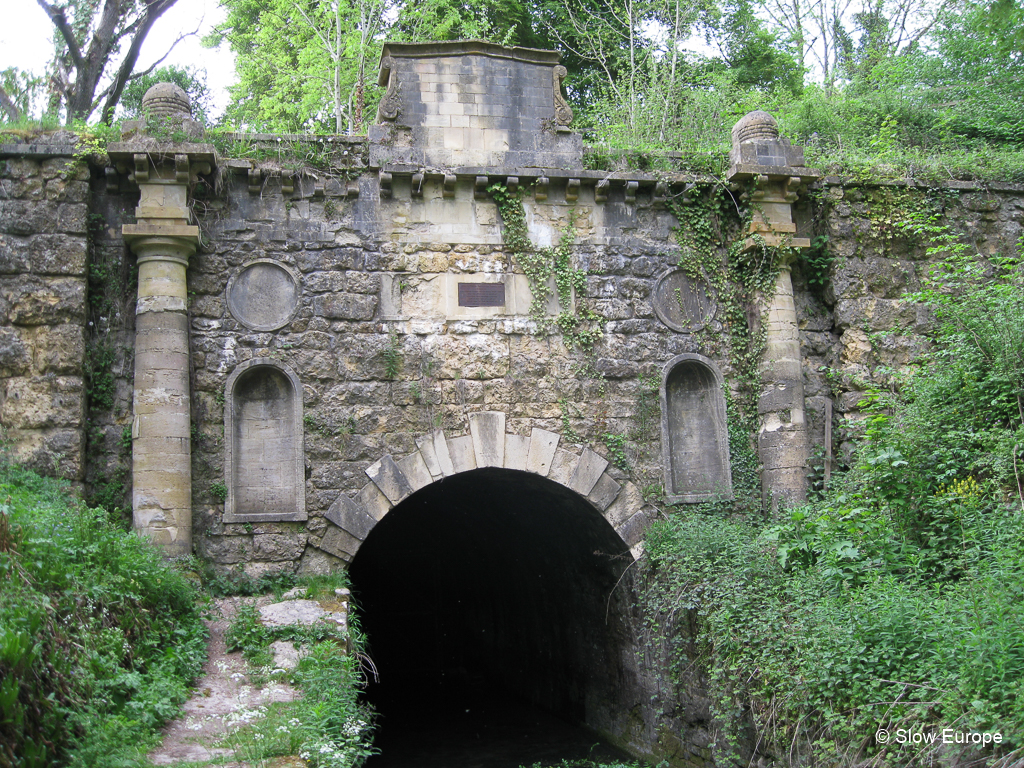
(670, 94)
(90, 61)
(8, 105)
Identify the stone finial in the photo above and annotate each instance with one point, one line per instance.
(757, 149)
(166, 110)
(755, 125)
(167, 100)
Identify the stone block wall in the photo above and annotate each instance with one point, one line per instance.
(472, 104)
(383, 362)
(369, 269)
(380, 362)
(860, 329)
(44, 258)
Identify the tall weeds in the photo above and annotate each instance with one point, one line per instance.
(99, 638)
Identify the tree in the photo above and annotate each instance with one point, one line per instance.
(751, 53)
(975, 72)
(290, 53)
(791, 18)
(89, 39)
(19, 92)
(616, 58)
(508, 22)
(441, 20)
(302, 64)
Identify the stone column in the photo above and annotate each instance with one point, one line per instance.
(163, 240)
(782, 433)
(161, 441)
(773, 172)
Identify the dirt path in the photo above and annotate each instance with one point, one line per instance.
(223, 689)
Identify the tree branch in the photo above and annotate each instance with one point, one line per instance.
(101, 47)
(926, 28)
(148, 70)
(154, 10)
(9, 106)
(317, 31)
(60, 21)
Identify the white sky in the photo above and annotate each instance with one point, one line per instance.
(27, 34)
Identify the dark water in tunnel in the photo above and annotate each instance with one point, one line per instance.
(485, 729)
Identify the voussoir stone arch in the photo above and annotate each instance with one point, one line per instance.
(438, 456)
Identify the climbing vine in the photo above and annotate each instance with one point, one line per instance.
(736, 274)
(392, 356)
(899, 217)
(112, 281)
(578, 324)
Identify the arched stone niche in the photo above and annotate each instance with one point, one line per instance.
(264, 452)
(694, 437)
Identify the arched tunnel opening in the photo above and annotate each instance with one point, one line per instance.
(496, 606)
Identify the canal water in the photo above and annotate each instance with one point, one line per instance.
(481, 731)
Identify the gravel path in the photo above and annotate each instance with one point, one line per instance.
(222, 689)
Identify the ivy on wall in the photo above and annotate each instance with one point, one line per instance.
(578, 324)
(713, 252)
(112, 285)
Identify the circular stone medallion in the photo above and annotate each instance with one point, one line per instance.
(681, 304)
(263, 295)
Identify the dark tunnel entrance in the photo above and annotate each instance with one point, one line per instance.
(495, 599)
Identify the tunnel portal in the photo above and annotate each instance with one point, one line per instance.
(496, 586)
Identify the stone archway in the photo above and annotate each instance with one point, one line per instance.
(487, 445)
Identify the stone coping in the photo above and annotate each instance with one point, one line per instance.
(487, 445)
(41, 151)
(533, 172)
(435, 50)
(745, 171)
(125, 152)
(992, 186)
(312, 138)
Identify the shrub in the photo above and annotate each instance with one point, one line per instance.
(100, 638)
(895, 600)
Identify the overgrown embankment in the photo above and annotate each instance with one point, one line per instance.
(883, 621)
(99, 638)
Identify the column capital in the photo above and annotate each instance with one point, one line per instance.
(162, 242)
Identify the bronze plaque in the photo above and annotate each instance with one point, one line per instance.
(481, 294)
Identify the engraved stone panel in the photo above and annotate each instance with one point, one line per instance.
(694, 437)
(263, 295)
(263, 415)
(681, 303)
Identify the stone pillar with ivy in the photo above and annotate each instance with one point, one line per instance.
(771, 173)
(160, 156)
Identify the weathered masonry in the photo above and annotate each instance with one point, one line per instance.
(306, 367)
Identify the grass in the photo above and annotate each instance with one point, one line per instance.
(99, 637)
